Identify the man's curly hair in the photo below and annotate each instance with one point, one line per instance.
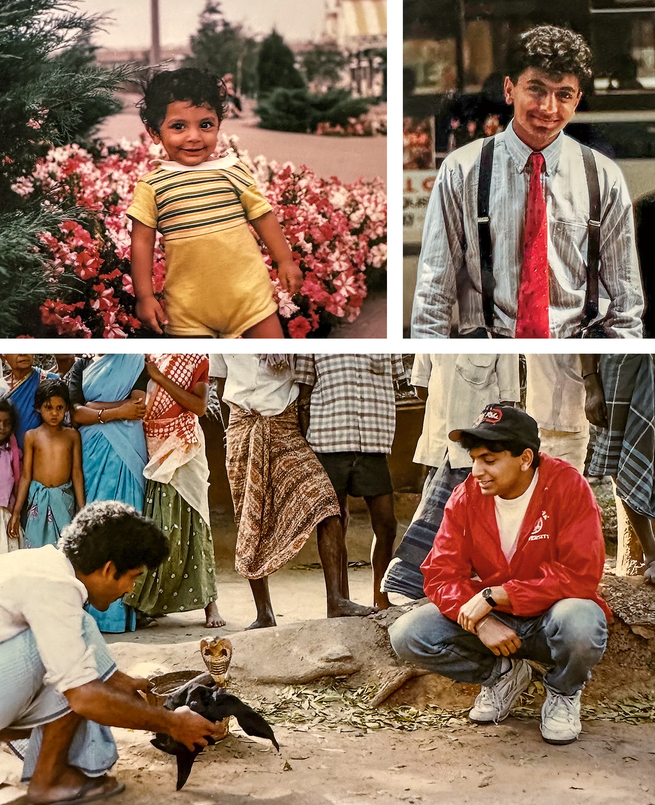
(556, 51)
(110, 531)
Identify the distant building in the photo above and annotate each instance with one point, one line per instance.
(360, 28)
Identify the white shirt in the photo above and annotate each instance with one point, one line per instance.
(459, 387)
(253, 386)
(39, 591)
(449, 265)
(509, 517)
(556, 393)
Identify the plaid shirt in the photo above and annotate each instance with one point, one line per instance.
(353, 406)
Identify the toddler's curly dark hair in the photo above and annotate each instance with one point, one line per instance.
(556, 51)
(198, 87)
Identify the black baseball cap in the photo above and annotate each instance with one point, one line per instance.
(503, 423)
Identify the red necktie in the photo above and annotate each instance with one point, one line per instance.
(532, 313)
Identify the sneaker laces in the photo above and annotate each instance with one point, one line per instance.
(489, 697)
(558, 701)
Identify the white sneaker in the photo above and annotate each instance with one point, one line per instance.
(560, 718)
(494, 702)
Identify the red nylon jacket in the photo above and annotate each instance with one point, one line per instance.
(560, 552)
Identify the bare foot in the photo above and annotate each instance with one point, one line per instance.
(213, 616)
(72, 785)
(263, 622)
(345, 608)
(649, 573)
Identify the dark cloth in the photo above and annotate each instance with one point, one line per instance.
(357, 474)
(626, 448)
(404, 574)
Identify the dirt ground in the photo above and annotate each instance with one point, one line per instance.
(346, 764)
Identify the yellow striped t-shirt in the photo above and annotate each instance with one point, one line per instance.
(188, 203)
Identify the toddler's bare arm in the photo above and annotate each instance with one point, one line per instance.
(270, 231)
(148, 309)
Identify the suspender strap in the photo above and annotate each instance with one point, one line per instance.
(484, 232)
(593, 234)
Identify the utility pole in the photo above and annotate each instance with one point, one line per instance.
(155, 47)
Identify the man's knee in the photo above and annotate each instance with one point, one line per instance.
(416, 633)
(579, 625)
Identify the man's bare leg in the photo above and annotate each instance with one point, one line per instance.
(265, 615)
(383, 520)
(345, 519)
(53, 778)
(331, 548)
(643, 528)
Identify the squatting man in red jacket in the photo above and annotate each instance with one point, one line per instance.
(512, 576)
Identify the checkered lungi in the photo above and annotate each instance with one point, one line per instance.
(27, 703)
(404, 572)
(626, 448)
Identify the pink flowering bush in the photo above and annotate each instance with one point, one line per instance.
(336, 231)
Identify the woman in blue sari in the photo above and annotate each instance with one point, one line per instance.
(108, 396)
(23, 383)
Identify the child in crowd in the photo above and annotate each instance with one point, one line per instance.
(9, 474)
(52, 481)
(216, 280)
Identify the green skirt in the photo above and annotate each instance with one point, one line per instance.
(185, 580)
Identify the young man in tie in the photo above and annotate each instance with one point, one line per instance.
(521, 227)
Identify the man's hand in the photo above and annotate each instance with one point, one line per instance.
(472, 611)
(190, 728)
(595, 408)
(150, 313)
(290, 276)
(13, 528)
(501, 639)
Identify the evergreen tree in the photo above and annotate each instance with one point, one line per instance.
(46, 97)
(276, 66)
(323, 67)
(221, 48)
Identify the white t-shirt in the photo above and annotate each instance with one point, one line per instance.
(39, 591)
(509, 517)
(253, 386)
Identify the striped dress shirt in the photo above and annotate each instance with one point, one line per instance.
(353, 403)
(449, 265)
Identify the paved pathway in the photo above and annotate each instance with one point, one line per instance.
(345, 157)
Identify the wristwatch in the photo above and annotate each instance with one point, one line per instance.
(488, 597)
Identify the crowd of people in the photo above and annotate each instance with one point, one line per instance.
(506, 544)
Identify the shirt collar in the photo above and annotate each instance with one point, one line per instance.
(520, 152)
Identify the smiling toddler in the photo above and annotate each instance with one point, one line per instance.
(216, 280)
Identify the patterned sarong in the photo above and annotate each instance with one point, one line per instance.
(404, 572)
(49, 509)
(626, 448)
(279, 489)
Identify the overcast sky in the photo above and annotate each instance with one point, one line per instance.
(130, 24)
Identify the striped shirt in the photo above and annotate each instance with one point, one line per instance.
(187, 202)
(449, 265)
(353, 403)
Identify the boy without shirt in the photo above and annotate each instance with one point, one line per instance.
(52, 481)
(512, 576)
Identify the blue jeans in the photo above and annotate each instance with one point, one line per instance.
(570, 637)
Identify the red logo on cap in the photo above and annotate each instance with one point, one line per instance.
(492, 416)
